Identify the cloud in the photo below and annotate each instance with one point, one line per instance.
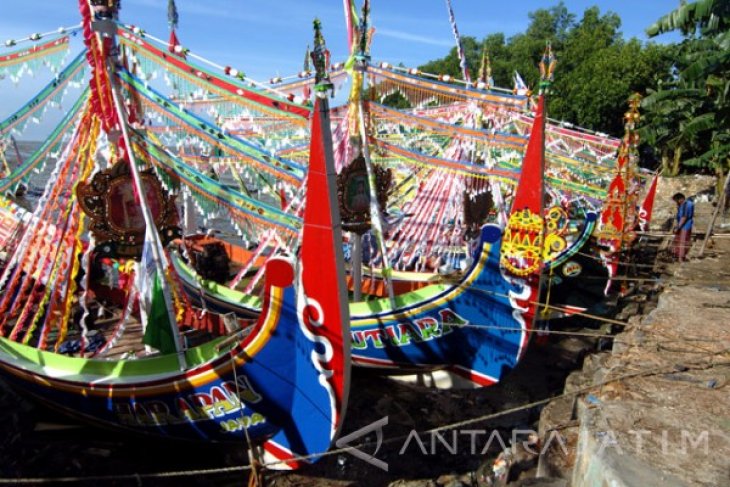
(405, 36)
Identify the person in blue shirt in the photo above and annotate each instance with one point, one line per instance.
(683, 227)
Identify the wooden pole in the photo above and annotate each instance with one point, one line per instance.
(356, 261)
(720, 205)
(151, 230)
(18, 155)
(375, 217)
(189, 220)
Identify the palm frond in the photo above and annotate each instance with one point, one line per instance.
(712, 158)
(705, 65)
(708, 15)
(699, 124)
(657, 97)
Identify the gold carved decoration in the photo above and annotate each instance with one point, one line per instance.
(116, 218)
(353, 194)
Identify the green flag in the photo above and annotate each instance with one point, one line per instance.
(158, 333)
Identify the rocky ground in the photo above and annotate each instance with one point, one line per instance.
(658, 414)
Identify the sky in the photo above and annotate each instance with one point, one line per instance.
(265, 38)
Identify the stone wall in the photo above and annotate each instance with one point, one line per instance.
(700, 188)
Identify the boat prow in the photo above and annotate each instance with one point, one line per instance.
(311, 420)
(274, 386)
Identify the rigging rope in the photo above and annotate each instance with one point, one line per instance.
(648, 372)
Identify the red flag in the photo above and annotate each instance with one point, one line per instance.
(648, 206)
(174, 45)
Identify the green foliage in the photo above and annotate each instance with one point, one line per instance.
(691, 113)
(450, 63)
(707, 16)
(597, 69)
(601, 75)
(396, 100)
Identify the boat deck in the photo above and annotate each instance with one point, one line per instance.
(128, 342)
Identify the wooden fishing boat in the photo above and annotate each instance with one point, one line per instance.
(575, 281)
(476, 326)
(282, 384)
(476, 322)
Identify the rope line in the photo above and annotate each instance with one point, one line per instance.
(696, 365)
(41, 35)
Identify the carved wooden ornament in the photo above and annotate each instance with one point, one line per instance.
(353, 193)
(115, 215)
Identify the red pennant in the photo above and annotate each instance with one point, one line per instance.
(648, 206)
(173, 43)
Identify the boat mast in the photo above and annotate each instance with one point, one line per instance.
(105, 29)
(361, 59)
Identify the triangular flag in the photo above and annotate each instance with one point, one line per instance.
(174, 45)
(158, 333)
(648, 206)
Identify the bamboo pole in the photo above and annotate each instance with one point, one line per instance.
(151, 229)
(375, 206)
(720, 204)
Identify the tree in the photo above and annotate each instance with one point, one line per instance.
(496, 46)
(396, 100)
(701, 85)
(597, 69)
(662, 127)
(593, 92)
(450, 63)
(546, 25)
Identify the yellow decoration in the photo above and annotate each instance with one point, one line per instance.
(554, 244)
(522, 244)
(556, 224)
(86, 159)
(556, 220)
(355, 95)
